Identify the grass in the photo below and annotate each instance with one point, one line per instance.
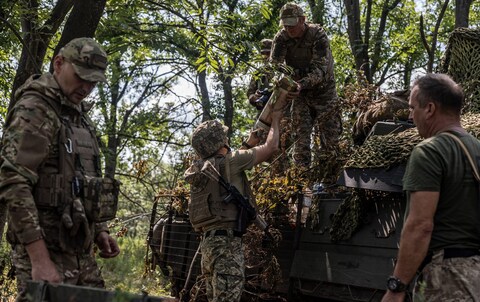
(127, 272)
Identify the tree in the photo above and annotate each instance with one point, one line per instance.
(462, 11)
(215, 39)
(380, 40)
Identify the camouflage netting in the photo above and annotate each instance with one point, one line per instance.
(390, 106)
(381, 151)
(462, 62)
(384, 151)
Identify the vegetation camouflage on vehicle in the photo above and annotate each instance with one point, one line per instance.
(462, 62)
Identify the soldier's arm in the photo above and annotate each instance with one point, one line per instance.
(26, 143)
(279, 49)
(43, 268)
(265, 151)
(321, 64)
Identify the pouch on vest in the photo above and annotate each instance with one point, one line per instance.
(200, 213)
(101, 198)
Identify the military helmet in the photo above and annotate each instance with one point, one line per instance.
(88, 59)
(266, 46)
(289, 14)
(209, 137)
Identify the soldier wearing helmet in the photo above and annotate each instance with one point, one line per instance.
(49, 153)
(305, 49)
(222, 253)
(259, 89)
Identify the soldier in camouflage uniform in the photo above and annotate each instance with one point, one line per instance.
(221, 247)
(305, 48)
(441, 233)
(49, 156)
(261, 81)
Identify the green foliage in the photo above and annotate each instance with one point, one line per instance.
(8, 287)
(131, 262)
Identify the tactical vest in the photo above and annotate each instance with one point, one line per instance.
(299, 54)
(207, 209)
(72, 169)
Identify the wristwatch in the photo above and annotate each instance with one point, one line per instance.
(396, 285)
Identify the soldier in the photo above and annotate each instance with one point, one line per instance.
(221, 247)
(441, 234)
(258, 89)
(49, 158)
(305, 48)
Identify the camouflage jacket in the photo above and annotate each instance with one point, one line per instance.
(310, 56)
(30, 141)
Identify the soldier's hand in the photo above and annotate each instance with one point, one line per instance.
(292, 95)
(258, 94)
(46, 271)
(254, 138)
(107, 245)
(43, 268)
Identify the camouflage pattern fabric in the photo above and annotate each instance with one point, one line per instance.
(310, 57)
(87, 57)
(449, 280)
(209, 137)
(30, 139)
(223, 266)
(76, 270)
(311, 61)
(315, 112)
(392, 106)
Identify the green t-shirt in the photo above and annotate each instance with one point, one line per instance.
(438, 164)
(240, 161)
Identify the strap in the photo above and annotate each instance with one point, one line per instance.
(467, 153)
(227, 166)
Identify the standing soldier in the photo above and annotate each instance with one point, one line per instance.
(259, 89)
(305, 49)
(221, 247)
(50, 174)
(441, 234)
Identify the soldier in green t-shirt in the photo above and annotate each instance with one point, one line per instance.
(441, 234)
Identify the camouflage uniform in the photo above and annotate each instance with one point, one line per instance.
(311, 59)
(221, 247)
(449, 280)
(32, 184)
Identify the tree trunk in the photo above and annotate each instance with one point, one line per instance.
(202, 83)
(82, 22)
(386, 9)
(228, 95)
(462, 10)
(36, 39)
(357, 44)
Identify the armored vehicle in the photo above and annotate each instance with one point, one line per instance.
(344, 250)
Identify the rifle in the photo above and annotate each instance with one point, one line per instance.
(246, 212)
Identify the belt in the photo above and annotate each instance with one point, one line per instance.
(221, 233)
(452, 253)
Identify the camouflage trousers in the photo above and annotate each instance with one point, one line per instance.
(223, 266)
(74, 269)
(449, 280)
(319, 112)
